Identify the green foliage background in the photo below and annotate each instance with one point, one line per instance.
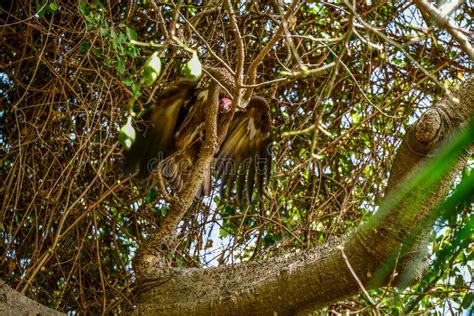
(70, 72)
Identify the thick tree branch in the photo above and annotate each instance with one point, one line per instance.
(376, 251)
(150, 256)
(448, 7)
(14, 303)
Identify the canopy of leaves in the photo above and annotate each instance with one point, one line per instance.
(70, 71)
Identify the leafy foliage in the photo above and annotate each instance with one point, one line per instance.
(72, 74)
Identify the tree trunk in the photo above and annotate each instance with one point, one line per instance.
(14, 303)
(385, 250)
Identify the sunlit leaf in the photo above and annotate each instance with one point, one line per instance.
(193, 68)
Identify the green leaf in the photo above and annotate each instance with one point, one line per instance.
(467, 300)
(97, 17)
(136, 89)
(132, 52)
(97, 52)
(150, 196)
(193, 68)
(223, 233)
(127, 134)
(268, 240)
(121, 38)
(118, 40)
(459, 281)
(42, 11)
(128, 81)
(150, 79)
(397, 61)
(84, 47)
(97, 4)
(84, 8)
(131, 34)
(152, 69)
(104, 31)
(180, 263)
(120, 66)
(53, 6)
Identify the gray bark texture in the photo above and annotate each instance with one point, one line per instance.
(386, 250)
(13, 303)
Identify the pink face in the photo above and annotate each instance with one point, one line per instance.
(225, 105)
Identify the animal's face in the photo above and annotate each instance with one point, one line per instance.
(225, 104)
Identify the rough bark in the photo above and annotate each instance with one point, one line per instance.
(14, 303)
(389, 244)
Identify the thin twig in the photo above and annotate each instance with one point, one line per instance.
(400, 47)
(369, 298)
(252, 70)
(444, 22)
(237, 97)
